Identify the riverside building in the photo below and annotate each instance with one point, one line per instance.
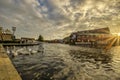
(5, 35)
(91, 38)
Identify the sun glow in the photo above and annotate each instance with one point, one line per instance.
(114, 40)
(117, 34)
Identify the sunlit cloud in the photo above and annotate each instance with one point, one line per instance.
(58, 18)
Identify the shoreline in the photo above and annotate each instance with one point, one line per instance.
(7, 69)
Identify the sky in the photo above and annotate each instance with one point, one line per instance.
(55, 19)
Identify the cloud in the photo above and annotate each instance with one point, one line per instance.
(58, 18)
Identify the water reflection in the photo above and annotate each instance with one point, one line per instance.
(116, 59)
(95, 65)
(64, 62)
(84, 56)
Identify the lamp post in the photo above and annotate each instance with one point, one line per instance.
(13, 29)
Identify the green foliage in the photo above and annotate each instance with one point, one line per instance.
(40, 38)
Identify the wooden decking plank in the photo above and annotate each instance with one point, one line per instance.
(7, 70)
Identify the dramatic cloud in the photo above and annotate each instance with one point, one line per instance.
(58, 18)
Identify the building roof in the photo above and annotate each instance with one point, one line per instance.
(7, 31)
(105, 30)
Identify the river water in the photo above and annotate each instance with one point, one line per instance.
(65, 62)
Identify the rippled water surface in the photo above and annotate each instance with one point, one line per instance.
(64, 62)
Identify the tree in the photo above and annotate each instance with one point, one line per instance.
(40, 38)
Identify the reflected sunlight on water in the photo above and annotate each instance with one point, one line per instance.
(116, 59)
(64, 62)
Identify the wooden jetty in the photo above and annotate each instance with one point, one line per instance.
(19, 44)
(7, 70)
